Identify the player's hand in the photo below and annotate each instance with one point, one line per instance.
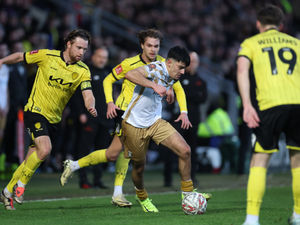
(250, 116)
(111, 110)
(160, 90)
(83, 118)
(170, 96)
(185, 122)
(93, 111)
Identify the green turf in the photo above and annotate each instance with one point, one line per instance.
(227, 206)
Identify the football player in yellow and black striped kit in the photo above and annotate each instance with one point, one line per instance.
(150, 40)
(271, 102)
(58, 76)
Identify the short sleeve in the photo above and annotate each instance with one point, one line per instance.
(36, 56)
(121, 69)
(86, 76)
(246, 50)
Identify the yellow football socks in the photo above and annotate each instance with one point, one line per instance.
(256, 189)
(93, 158)
(30, 166)
(121, 169)
(187, 186)
(141, 194)
(16, 176)
(296, 189)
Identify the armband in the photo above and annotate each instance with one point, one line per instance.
(85, 85)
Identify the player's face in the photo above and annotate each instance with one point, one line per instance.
(176, 69)
(77, 48)
(150, 48)
(100, 58)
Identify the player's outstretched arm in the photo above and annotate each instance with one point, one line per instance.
(138, 76)
(89, 102)
(12, 58)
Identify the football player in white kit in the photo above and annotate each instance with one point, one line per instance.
(142, 121)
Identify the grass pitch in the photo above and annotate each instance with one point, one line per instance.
(49, 204)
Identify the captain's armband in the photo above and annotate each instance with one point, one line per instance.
(85, 85)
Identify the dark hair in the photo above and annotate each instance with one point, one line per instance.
(270, 15)
(180, 54)
(78, 33)
(153, 33)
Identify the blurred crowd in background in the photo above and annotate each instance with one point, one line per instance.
(212, 28)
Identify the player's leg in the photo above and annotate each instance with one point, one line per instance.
(136, 142)
(141, 193)
(121, 168)
(7, 193)
(272, 123)
(169, 137)
(120, 175)
(26, 170)
(17, 174)
(165, 134)
(43, 148)
(94, 158)
(256, 186)
(293, 144)
(178, 145)
(295, 168)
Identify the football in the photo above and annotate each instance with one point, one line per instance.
(194, 203)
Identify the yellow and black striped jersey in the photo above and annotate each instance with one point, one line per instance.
(55, 83)
(275, 59)
(125, 96)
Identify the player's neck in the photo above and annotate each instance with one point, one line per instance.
(146, 59)
(268, 27)
(66, 58)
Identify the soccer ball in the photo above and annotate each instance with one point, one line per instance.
(194, 203)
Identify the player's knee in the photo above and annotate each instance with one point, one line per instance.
(44, 152)
(185, 152)
(111, 155)
(138, 168)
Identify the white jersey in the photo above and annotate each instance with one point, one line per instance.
(145, 106)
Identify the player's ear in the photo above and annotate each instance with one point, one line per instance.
(68, 44)
(258, 24)
(169, 61)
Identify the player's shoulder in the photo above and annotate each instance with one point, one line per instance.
(132, 60)
(160, 58)
(252, 39)
(82, 65)
(289, 39)
(51, 52)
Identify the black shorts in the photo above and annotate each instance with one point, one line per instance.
(118, 123)
(37, 125)
(274, 121)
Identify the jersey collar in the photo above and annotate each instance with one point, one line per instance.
(271, 28)
(62, 57)
(144, 60)
(141, 58)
